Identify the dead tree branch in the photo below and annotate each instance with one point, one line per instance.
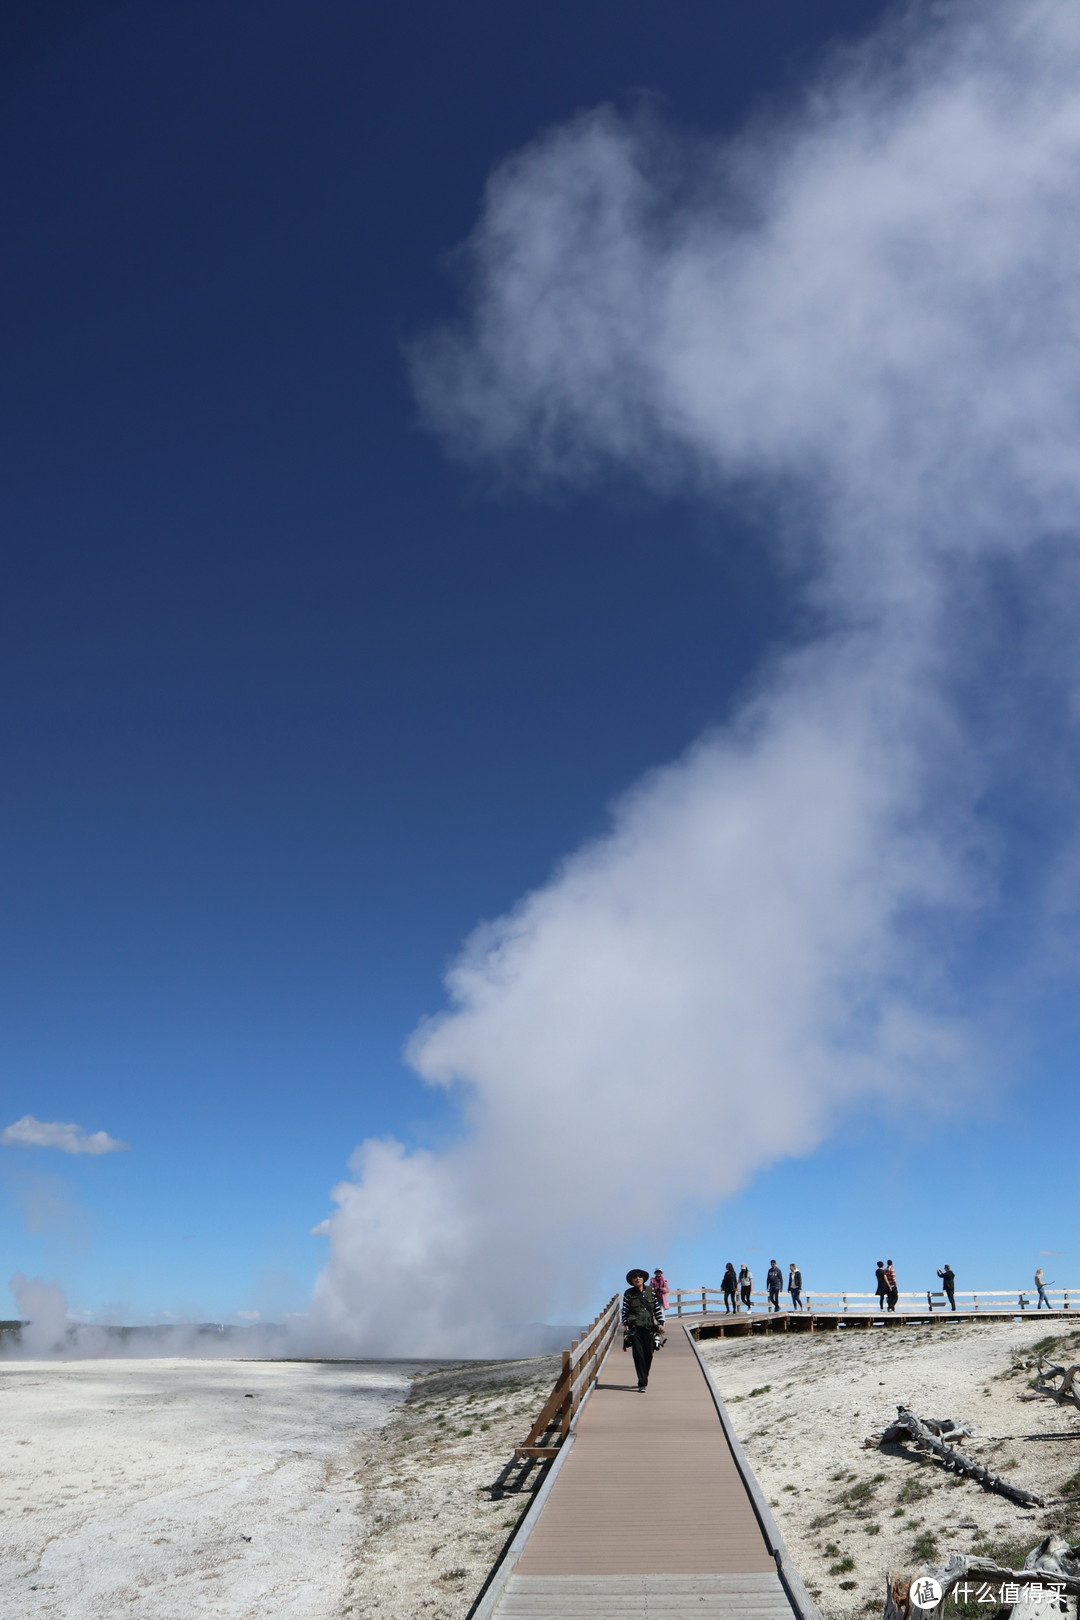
(1065, 1393)
(1051, 1562)
(924, 1437)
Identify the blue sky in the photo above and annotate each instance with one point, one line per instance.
(292, 700)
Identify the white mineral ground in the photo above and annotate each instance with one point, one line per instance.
(136, 1484)
(158, 1489)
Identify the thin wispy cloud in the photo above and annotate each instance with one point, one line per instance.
(864, 319)
(49, 1208)
(65, 1138)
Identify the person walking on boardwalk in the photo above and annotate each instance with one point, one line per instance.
(659, 1285)
(746, 1286)
(948, 1282)
(1041, 1286)
(642, 1320)
(890, 1283)
(730, 1289)
(881, 1287)
(794, 1283)
(774, 1281)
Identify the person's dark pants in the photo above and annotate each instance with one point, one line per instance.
(894, 1295)
(796, 1298)
(747, 1301)
(951, 1297)
(774, 1298)
(643, 1346)
(881, 1301)
(730, 1303)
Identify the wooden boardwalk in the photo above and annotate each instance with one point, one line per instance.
(649, 1510)
(745, 1324)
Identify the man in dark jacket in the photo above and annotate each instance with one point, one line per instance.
(774, 1281)
(948, 1282)
(642, 1320)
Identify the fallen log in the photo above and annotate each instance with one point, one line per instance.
(926, 1440)
(942, 1428)
(1064, 1393)
(1051, 1563)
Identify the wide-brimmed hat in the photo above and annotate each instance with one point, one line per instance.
(638, 1271)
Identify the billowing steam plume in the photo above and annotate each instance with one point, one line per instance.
(862, 320)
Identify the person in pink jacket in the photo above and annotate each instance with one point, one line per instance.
(659, 1285)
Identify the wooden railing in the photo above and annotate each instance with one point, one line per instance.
(710, 1301)
(580, 1367)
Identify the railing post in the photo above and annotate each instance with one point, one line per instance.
(704, 1306)
(975, 1301)
(844, 1298)
(678, 1307)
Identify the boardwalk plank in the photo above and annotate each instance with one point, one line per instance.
(645, 1597)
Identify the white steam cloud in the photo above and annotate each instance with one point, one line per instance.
(42, 1307)
(864, 320)
(31, 1132)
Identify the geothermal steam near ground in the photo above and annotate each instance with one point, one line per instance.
(863, 319)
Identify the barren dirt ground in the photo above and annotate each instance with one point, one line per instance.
(432, 1528)
(803, 1405)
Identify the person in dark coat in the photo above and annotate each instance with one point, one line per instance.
(774, 1281)
(794, 1282)
(881, 1287)
(948, 1282)
(642, 1320)
(730, 1289)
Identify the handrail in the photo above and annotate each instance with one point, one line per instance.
(580, 1367)
(695, 1301)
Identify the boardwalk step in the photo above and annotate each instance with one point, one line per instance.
(647, 1583)
(639, 1597)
